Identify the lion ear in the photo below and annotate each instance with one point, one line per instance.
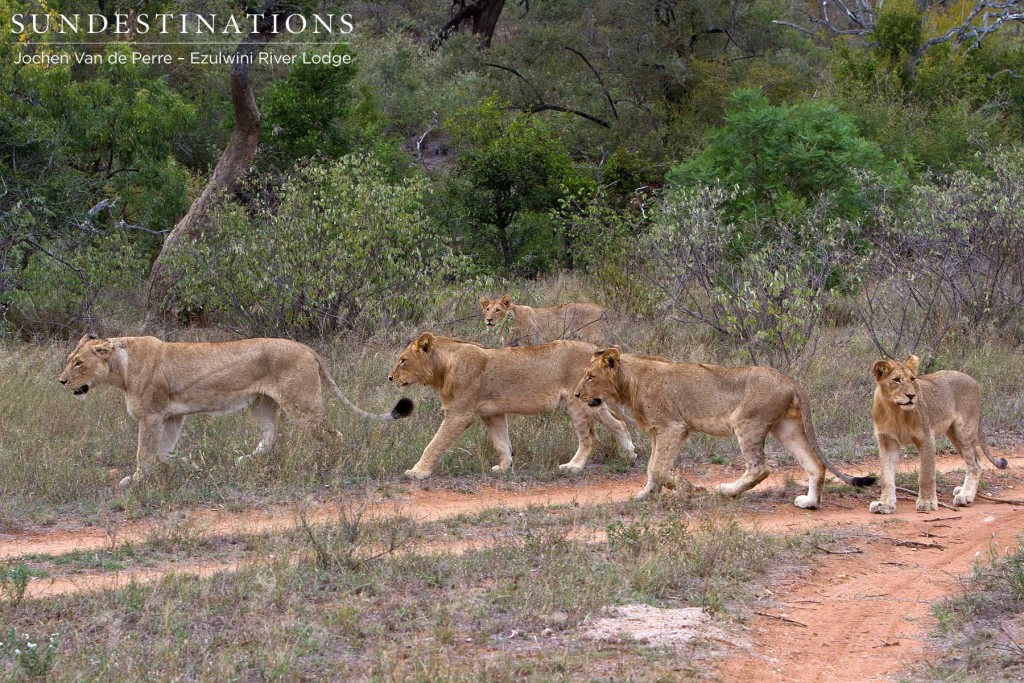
(425, 342)
(506, 300)
(611, 357)
(103, 350)
(484, 302)
(913, 363)
(597, 354)
(881, 368)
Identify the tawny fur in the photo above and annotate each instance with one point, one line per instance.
(165, 382)
(532, 326)
(672, 400)
(490, 384)
(911, 409)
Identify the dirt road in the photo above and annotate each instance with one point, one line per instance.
(861, 612)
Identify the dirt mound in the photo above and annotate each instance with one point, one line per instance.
(658, 627)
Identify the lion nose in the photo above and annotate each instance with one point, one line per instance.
(577, 394)
(62, 381)
(911, 395)
(391, 378)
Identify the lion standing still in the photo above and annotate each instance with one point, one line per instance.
(533, 326)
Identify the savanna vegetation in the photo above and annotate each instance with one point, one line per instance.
(804, 185)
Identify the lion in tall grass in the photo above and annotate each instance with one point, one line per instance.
(531, 326)
(164, 382)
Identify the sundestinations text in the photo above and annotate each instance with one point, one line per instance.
(123, 24)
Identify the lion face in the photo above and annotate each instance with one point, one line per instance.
(598, 383)
(495, 310)
(88, 364)
(413, 365)
(897, 381)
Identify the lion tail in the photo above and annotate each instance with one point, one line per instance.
(805, 414)
(402, 409)
(1000, 463)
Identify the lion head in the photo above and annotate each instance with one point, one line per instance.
(495, 310)
(415, 363)
(598, 383)
(897, 381)
(87, 365)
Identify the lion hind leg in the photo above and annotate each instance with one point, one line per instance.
(968, 447)
(790, 434)
(268, 417)
(497, 429)
(752, 445)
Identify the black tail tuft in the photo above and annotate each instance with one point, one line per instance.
(863, 481)
(1002, 464)
(402, 409)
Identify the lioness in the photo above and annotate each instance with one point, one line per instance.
(490, 384)
(532, 326)
(164, 382)
(912, 409)
(671, 400)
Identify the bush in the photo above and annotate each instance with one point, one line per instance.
(784, 158)
(770, 301)
(509, 176)
(341, 246)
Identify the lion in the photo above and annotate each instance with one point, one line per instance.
(532, 326)
(911, 409)
(672, 400)
(165, 382)
(489, 384)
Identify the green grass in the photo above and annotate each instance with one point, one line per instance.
(980, 632)
(507, 612)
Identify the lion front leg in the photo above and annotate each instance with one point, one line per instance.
(927, 498)
(889, 457)
(664, 449)
(450, 430)
(150, 450)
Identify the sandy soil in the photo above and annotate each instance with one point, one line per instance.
(861, 612)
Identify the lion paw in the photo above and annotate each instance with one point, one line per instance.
(960, 496)
(643, 494)
(923, 505)
(880, 508)
(728, 490)
(806, 502)
(416, 474)
(501, 468)
(570, 468)
(125, 482)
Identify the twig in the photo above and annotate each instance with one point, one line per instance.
(846, 551)
(1005, 501)
(944, 519)
(917, 544)
(781, 618)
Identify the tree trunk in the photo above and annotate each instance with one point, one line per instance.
(233, 164)
(482, 15)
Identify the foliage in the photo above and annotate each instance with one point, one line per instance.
(510, 174)
(339, 246)
(309, 111)
(770, 301)
(603, 242)
(783, 157)
(34, 660)
(949, 260)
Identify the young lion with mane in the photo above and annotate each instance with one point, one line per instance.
(672, 400)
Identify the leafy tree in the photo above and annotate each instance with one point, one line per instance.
(783, 158)
(509, 175)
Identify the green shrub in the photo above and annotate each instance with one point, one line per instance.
(341, 246)
(783, 159)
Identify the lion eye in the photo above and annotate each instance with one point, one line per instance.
(401, 362)
(77, 363)
(897, 380)
(913, 379)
